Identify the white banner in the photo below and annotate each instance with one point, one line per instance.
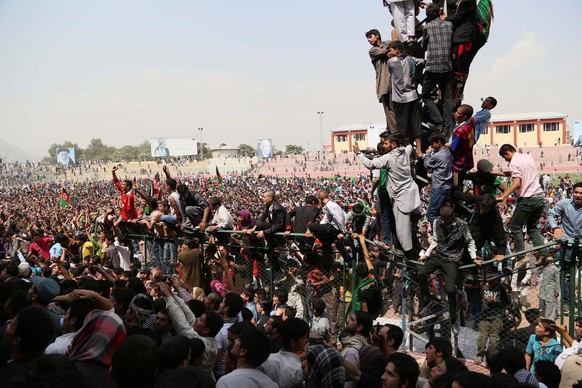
(173, 146)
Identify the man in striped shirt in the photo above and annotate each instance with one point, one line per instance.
(437, 38)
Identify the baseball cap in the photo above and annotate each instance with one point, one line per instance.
(46, 288)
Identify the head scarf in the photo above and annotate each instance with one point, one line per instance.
(246, 219)
(326, 367)
(217, 286)
(198, 293)
(101, 334)
(141, 314)
(372, 360)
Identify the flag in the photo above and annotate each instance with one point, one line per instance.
(65, 198)
(218, 175)
(150, 188)
(485, 16)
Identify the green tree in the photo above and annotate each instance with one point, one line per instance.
(246, 150)
(96, 150)
(145, 151)
(292, 149)
(127, 153)
(204, 151)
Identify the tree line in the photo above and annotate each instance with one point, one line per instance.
(96, 150)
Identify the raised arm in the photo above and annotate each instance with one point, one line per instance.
(140, 193)
(110, 279)
(365, 250)
(103, 303)
(115, 180)
(226, 269)
(166, 171)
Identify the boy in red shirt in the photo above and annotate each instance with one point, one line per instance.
(128, 211)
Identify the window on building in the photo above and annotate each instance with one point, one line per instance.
(485, 131)
(360, 137)
(526, 128)
(503, 129)
(551, 127)
(342, 138)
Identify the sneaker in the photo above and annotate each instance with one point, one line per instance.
(478, 359)
(383, 245)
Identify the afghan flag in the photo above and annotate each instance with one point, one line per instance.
(485, 15)
(65, 198)
(218, 176)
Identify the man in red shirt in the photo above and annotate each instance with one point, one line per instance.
(40, 245)
(128, 211)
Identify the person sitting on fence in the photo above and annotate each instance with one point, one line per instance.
(222, 220)
(332, 228)
(271, 221)
(196, 210)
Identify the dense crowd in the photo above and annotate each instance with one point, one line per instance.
(79, 298)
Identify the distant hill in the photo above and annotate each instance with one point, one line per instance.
(11, 153)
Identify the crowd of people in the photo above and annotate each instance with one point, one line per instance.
(192, 281)
(81, 307)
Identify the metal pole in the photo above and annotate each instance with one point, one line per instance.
(574, 265)
(404, 300)
(321, 129)
(201, 144)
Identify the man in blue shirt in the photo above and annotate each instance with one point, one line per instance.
(438, 158)
(570, 213)
(483, 116)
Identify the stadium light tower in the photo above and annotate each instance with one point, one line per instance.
(201, 144)
(321, 129)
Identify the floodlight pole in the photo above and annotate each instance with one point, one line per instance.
(321, 129)
(201, 144)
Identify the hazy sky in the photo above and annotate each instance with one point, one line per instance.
(126, 71)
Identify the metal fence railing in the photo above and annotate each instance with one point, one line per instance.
(519, 278)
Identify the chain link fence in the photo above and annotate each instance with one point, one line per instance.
(499, 305)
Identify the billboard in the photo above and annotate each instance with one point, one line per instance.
(578, 134)
(265, 148)
(173, 146)
(66, 156)
(374, 131)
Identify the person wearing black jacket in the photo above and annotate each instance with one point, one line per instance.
(302, 216)
(486, 224)
(195, 208)
(466, 40)
(271, 221)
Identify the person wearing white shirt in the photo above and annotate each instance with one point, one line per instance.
(72, 322)
(284, 367)
(572, 347)
(222, 220)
